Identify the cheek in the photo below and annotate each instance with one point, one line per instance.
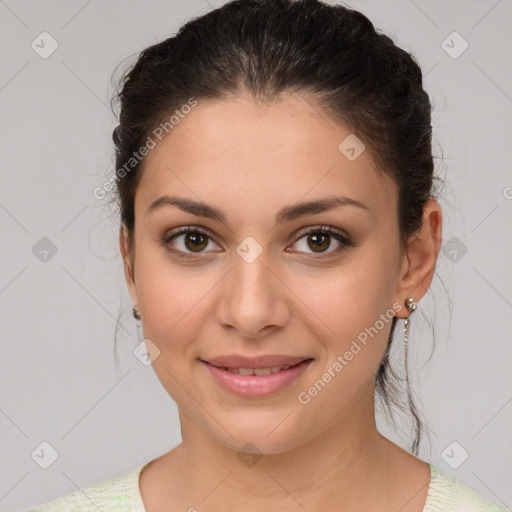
(171, 299)
(171, 307)
(352, 296)
(352, 307)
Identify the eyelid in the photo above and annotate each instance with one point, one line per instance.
(173, 233)
(186, 229)
(341, 237)
(322, 228)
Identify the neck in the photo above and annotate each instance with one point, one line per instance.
(348, 462)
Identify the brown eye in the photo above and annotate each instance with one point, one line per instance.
(319, 240)
(185, 241)
(194, 240)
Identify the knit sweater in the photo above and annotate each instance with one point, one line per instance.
(122, 493)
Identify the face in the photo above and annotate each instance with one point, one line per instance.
(258, 277)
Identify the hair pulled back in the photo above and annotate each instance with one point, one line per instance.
(330, 53)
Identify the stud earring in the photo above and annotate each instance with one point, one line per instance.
(411, 306)
(136, 313)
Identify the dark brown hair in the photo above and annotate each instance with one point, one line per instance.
(330, 53)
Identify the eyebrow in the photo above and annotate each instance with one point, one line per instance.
(286, 214)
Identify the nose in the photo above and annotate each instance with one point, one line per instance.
(253, 300)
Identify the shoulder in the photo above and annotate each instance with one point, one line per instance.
(448, 494)
(120, 493)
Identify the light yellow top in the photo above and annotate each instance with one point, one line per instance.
(122, 493)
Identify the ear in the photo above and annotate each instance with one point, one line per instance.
(419, 262)
(128, 261)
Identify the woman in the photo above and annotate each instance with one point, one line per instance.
(275, 180)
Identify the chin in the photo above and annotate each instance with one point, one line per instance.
(270, 437)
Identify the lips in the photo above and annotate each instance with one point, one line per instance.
(256, 385)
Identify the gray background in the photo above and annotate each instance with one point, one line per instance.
(59, 379)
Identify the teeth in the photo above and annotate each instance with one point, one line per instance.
(256, 371)
(262, 371)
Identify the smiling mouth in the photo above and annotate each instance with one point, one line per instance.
(257, 383)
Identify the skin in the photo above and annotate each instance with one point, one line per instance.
(250, 160)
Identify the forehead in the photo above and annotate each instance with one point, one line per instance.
(260, 152)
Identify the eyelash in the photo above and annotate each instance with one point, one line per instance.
(324, 230)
